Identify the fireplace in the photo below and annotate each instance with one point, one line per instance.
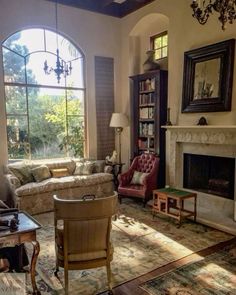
(209, 174)
(214, 207)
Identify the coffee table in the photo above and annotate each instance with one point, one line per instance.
(170, 201)
(26, 232)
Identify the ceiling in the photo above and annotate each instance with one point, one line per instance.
(117, 8)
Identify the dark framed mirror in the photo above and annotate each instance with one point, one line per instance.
(208, 78)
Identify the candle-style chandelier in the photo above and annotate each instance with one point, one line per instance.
(62, 67)
(203, 8)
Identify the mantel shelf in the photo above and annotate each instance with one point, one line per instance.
(202, 127)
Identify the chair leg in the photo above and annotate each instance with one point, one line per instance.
(144, 203)
(109, 277)
(120, 198)
(66, 281)
(56, 268)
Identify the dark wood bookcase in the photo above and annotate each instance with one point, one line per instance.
(148, 93)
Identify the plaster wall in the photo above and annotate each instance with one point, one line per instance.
(94, 34)
(184, 33)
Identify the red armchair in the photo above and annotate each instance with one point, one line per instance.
(145, 163)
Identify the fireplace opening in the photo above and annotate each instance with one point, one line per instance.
(210, 174)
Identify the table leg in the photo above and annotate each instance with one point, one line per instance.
(181, 205)
(195, 208)
(36, 250)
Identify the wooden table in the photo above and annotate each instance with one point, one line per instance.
(170, 201)
(26, 232)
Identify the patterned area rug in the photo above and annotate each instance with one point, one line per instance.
(141, 244)
(214, 274)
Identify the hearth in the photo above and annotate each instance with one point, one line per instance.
(209, 174)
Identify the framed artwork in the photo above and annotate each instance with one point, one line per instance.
(208, 78)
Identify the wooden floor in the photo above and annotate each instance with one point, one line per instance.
(132, 287)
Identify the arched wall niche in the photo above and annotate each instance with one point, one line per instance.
(139, 40)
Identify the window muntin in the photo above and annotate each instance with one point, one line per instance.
(44, 119)
(159, 43)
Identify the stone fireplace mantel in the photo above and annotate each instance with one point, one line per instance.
(212, 140)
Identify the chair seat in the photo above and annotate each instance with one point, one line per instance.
(132, 190)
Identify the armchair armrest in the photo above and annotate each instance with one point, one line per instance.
(125, 177)
(13, 180)
(150, 181)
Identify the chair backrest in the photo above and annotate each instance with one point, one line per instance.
(146, 162)
(86, 224)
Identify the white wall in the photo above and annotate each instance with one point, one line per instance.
(95, 34)
(184, 33)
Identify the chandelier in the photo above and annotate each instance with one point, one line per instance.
(62, 67)
(226, 9)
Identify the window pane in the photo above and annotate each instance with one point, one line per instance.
(157, 43)
(164, 52)
(67, 50)
(15, 100)
(26, 41)
(47, 113)
(75, 102)
(76, 79)
(165, 40)
(158, 54)
(76, 136)
(14, 67)
(17, 132)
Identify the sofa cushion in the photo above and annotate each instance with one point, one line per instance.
(60, 172)
(41, 173)
(55, 184)
(22, 172)
(57, 164)
(84, 168)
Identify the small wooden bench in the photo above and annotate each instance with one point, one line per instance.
(170, 201)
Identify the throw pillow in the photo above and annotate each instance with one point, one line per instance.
(85, 168)
(23, 173)
(138, 177)
(41, 173)
(60, 172)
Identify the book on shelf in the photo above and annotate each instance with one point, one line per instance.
(147, 85)
(150, 129)
(146, 98)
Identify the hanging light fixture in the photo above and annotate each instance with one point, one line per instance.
(203, 8)
(62, 67)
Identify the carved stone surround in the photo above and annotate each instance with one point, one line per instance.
(204, 140)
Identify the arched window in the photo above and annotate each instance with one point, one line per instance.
(45, 119)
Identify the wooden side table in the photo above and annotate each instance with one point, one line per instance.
(26, 232)
(170, 202)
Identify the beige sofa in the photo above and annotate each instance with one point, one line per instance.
(37, 196)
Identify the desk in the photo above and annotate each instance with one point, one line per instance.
(26, 232)
(170, 202)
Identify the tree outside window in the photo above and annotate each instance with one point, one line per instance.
(159, 43)
(44, 119)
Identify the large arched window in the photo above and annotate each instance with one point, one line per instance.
(45, 119)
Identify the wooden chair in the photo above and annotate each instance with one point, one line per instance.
(82, 236)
